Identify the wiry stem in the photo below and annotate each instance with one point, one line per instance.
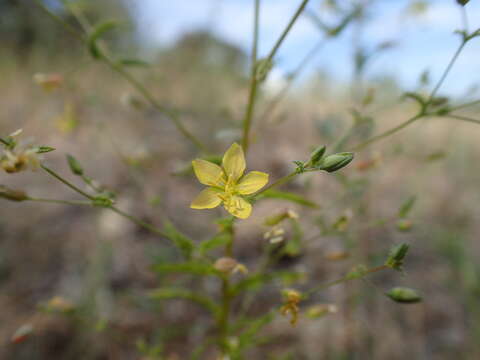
(92, 199)
(423, 113)
(285, 32)
(345, 279)
(118, 68)
(463, 118)
(247, 122)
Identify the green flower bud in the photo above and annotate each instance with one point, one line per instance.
(75, 166)
(336, 161)
(12, 195)
(317, 155)
(404, 295)
(396, 256)
(463, 2)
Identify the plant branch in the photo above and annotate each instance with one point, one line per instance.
(247, 122)
(345, 279)
(66, 182)
(285, 32)
(118, 68)
(463, 118)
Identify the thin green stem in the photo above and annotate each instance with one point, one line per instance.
(65, 202)
(247, 122)
(345, 279)
(66, 182)
(422, 113)
(118, 68)
(291, 79)
(467, 104)
(388, 132)
(169, 113)
(226, 299)
(279, 182)
(60, 21)
(285, 32)
(132, 218)
(139, 222)
(224, 318)
(463, 118)
(446, 71)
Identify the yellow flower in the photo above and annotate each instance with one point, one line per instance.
(13, 161)
(290, 307)
(227, 183)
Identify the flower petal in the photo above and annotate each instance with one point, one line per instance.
(234, 162)
(252, 182)
(207, 199)
(238, 207)
(208, 173)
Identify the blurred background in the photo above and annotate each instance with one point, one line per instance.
(73, 280)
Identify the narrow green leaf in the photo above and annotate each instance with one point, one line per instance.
(191, 267)
(74, 165)
(184, 244)
(247, 338)
(407, 206)
(44, 149)
(213, 243)
(284, 195)
(134, 62)
(97, 32)
(180, 293)
(255, 281)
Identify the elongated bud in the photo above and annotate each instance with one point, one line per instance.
(11, 194)
(225, 264)
(320, 310)
(404, 295)
(396, 257)
(75, 166)
(463, 2)
(44, 149)
(336, 161)
(228, 265)
(317, 155)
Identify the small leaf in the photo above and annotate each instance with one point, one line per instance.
(134, 62)
(192, 267)
(44, 149)
(284, 195)
(357, 272)
(75, 166)
(247, 338)
(437, 155)
(213, 243)
(180, 293)
(184, 244)
(97, 33)
(396, 256)
(407, 207)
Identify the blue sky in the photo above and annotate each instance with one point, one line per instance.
(426, 41)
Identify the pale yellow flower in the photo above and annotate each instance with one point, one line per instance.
(13, 161)
(227, 183)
